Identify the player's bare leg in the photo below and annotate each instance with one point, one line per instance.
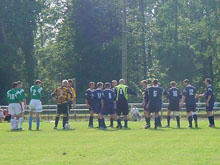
(57, 120)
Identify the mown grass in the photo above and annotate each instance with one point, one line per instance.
(82, 145)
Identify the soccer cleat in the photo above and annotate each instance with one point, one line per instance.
(126, 127)
(55, 128)
(90, 126)
(190, 126)
(196, 126)
(147, 126)
(111, 126)
(167, 126)
(20, 129)
(155, 127)
(29, 129)
(119, 127)
(178, 126)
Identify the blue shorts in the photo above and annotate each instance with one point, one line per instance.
(92, 107)
(154, 107)
(210, 108)
(98, 108)
(190, 107)
(108, 110)
(174, 106)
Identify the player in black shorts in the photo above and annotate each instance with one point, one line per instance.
(122, 92)
(210, 101)
(173, 96)
(189, 96)
(154, 104)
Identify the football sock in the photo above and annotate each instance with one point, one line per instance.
(190, 120)
(195, 118)
(178, 120)
(126, 122)
(12, 124)
(64, 121)
(148, 120)
(21, 121)
(159, 121)
(91, 120)
(103, 123)
(99, 123)
(56, 121)
(111, 122)
(16, 123)
(38, 122)
(156, 122)
(30, 121)
(168, 120)
(210, 119)
(119, 122)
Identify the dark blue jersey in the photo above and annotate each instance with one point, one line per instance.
(109, 97)
(146, 96)
(98, 96)
(190, 92)
(173, 95)
(210, 92)
(90, 96)
(155, 94)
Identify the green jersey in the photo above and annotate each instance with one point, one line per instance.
(13, 96)
(36, 92)
(22, 94)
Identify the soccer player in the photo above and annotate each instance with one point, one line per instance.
(144, 85)
(35, 105)
(60, 95)
(15, 107)
(71, 97)
(189, 94)
(122, 92)
(99, 101)
(90, 102)
(154, 103)
(174, 97)
(210, 100)
(23, 103)
(109, 103)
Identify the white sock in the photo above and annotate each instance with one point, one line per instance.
(21, 121)
(16, 124)
(12, 124)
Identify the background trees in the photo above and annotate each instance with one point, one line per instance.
(56, 39)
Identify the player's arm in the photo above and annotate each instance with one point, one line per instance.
(182, 101)
(208, 99)
(87, 103)
(53, 95)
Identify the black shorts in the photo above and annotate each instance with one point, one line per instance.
(174, 106)
(122, 108)
(190, 107)
(154, 107)
(63, 108)
(210, 108)
(98, 108)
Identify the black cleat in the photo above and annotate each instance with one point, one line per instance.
(29, 129)
(146, 126)
(90, 126)
(119, 127)
(167, 126)
(54, 127)
(190, 126)
(196, 126)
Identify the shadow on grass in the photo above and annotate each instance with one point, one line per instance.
(71, 129)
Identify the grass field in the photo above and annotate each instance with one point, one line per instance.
(92, 146)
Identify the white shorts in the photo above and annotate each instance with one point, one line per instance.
(14, 109)
(35, 105)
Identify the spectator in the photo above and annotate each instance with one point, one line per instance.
(7, 115)
(1, 115)
(135, 112)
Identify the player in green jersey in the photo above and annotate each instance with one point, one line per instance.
(23, 103)
(15, 108)
(35, 105)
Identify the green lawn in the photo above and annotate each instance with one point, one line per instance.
(92, 146)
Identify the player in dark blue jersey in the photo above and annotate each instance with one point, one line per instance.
(99, 101)
(122, 92)
(210, 101)
(189, 96)
(90, 101)
(174, 97)
(145, 93)
(109, 103)
(154, 104)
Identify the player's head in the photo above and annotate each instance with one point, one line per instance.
(15, 85)
(173, 83)
(70, 82)
(208, 81)
(185, 82)
(65, 83)
(114, 83)
(107, 85)
(144, 83)
(122, 81)
(100, 85)
(91, 85)
(19, 84)
(155, 82)
(38, 82)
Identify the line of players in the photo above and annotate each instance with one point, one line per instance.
(113, 101)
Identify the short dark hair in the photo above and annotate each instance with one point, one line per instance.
(173, 83)
(70, 80)
(14, 84)
(209, 80)
(99, 84)
(37, 82)
(155, 81)
(107, 85)
(186, 81)
(144, 81)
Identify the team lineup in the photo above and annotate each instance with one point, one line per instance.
(110, 99)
